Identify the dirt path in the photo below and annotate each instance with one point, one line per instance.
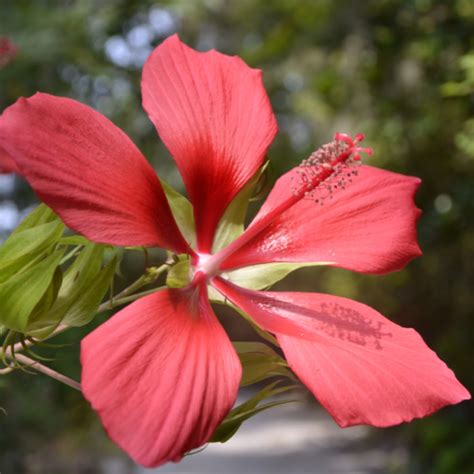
(293, 439)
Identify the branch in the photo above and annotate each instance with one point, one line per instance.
(47, 371)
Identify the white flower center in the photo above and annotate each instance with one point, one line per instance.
(206, 266)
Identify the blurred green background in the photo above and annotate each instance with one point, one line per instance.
(401, 71)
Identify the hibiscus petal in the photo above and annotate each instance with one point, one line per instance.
(162, 374)
(214, 116)
(368, 227)
(89, 172)
(7, 164)
(363, 368)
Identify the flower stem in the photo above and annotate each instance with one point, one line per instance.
(148, 277)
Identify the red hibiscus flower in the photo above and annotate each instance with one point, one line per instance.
(162, 373)
(7, 163)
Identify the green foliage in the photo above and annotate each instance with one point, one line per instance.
(216, 297)
(21, 293)
(29, 279)
(248, 409)
(466, 86)
(179, 275)
(265, 275)
(259, 362)
(83, 287)
(446, 431)
(34, 237)
(43, 283)
(74, 240)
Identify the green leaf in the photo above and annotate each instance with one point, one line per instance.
(84, 308)
(20, 294)
(179, 275)
(250, 408)
(264, 275)
(24, 246)
(243, 347)
(42, 214)
(260, 362)
(232, 222)
(183, 213)
(259, 277)
(74, 240)
(83, 270)
(46, 301)
(84, 286)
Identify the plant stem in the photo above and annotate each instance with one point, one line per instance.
(19, 346)
(70, 254)
(47, 371)
(150, 276)
(134, 297)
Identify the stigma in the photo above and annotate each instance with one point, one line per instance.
(329, 168)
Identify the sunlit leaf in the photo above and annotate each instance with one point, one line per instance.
(262, 276)
(23, 246)
(20, 294)
(259, 277)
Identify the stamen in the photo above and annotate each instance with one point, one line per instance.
(329, 168)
